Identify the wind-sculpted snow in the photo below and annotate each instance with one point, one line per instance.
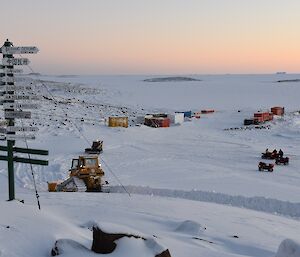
(263, 204)
(288, 248)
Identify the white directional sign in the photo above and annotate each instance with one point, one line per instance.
(3, 122)
(10, 71)
(20, 50)
(17, 115)
(16, 87)
(18, 129)
(21, 97)
(19, 137)
(8, 79)
(19, 106)
(15, 61)
(21, 129)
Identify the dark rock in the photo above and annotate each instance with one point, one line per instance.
(165, 253)
(104, 243)
(54, 251)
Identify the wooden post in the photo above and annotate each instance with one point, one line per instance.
(10, 168)
(8, 50)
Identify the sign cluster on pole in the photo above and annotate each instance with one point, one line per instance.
(14, 110)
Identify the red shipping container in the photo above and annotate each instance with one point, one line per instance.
(271, 116)
(263, 115)
(258, 114)
(259, 119)
(277, 110)
(207, 111)
(163, 122)
(266, 116)
(158, 122)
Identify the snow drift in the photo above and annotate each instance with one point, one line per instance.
(288, 248)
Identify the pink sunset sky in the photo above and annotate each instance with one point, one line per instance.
(156, 36)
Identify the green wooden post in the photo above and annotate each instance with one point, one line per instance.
(10, 167)
(10, 149)
(10, 144)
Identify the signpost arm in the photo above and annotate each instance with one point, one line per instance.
(8, 61)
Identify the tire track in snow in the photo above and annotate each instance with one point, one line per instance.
(256, 203)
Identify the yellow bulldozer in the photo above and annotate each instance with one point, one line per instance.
(86, 175)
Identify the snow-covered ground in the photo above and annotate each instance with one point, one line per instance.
(182, 178)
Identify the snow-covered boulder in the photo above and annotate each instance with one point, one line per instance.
(190, 227)
(105, 242)
(288, 248)
(111, 243)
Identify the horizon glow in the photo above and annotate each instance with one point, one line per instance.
(156, 37)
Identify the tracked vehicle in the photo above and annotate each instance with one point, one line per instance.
(97, 147)
(86, 175)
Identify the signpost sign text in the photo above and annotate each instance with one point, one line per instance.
(9, 94)
(19, 50)
(15, 61)
(17, 114)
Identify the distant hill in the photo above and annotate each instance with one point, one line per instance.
(171, 79)
(33, 74)
(288, 80)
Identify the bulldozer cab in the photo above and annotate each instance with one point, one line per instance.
(90, 162)
(75, 164)
(84, 162)
(86, 166)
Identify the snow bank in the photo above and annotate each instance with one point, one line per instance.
(131, 246)
(68, 247)
(190, 227)
(288, 248)
(268, 205)
(114, 228)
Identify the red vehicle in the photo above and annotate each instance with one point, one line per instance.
(270, 155)
(282, 160)
(262, 166)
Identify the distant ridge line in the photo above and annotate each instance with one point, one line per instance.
(171, 79)
(288, 80)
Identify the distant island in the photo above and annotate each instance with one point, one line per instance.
(33, 74)
(171, 79)
(288, 80)
(67, 76)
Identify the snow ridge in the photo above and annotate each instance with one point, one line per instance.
(257, 203)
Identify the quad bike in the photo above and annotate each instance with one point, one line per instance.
(282, 160)
(262, 166)
(269, 155)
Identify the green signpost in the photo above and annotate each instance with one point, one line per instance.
(9, 93)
